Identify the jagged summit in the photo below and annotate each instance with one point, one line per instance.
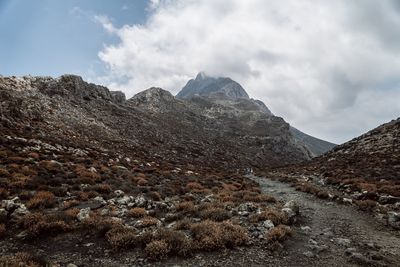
(221, 87)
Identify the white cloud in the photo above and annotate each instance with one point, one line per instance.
(106, 23)
(330, 68)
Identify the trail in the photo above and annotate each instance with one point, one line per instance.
(333, 230)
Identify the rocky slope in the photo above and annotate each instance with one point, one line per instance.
(223, 96)
(364, 171)
(88, 178)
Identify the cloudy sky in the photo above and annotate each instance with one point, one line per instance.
(330, 68)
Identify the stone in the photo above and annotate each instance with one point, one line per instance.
(140, 201)
(394, 219)
(268, 225)
(11, 204)
(249, 207)
(347, 201)
(342, 241)
(388, 199)
(293, 206)
(83, 214)
(291, 215)
(305, 229)
(71, 265)
(20, 212)
(119, 193)
(125, 200)
(309, 254)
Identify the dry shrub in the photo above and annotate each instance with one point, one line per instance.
(178, 243)
(3, 193)
(155, 196)
(322, 194)
(137, 212)
(37, 224)
(2, 231)
(103, 188)
(141, 182)
(42, 199)
(100, 225)
(4, 173)
(21, 259)
(70, 203)
(279, 233)
(210, 235)
(86, 176)
(270, 214)
(50, 166)
(183, 224)
(71, 213)
(366, 205)
(157, 250)
(194, 186)
(121, 238)
(28, 171)
(215, 214)
(393, 190)
(187, 207)
(367, 187)
(148, 221)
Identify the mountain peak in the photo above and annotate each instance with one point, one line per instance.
(201, 76)
(206, 86)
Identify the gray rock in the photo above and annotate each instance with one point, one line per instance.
(293, 206)
(347, 201)
(83, 214)
(125, 200)
(306, 229)
(249, 207)
(268, 225)
(20, 212)
(394, 219)
(140, 201)
(291, 215)
(119, 193)
(388, 199)
(342, 241)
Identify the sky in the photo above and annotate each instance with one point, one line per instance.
(329, 68)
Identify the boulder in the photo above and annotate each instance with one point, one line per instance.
(394, 219)
(83, 214)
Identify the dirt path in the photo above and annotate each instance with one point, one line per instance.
(330, 234)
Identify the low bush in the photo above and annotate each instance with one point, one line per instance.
(42, 199)
(215, 214)
(275, 216)
(137, 212)
(366, 205)
(21, 259)
(121, 238)
(279, 233)
(157, 250)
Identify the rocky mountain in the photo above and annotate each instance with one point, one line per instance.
(367, 164)
(371, 156)
(153, 124)
(232, 99)
(315, 145)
